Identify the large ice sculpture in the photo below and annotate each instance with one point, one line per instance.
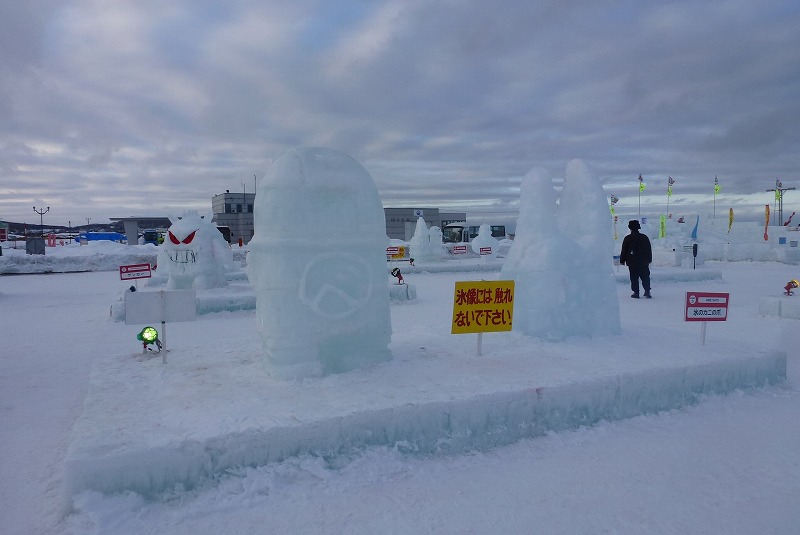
(194, 254)
(322, 303)
(564, 280)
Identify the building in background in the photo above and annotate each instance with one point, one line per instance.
(234, 211)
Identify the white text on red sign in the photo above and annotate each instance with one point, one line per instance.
(706, 306)
(134, 271)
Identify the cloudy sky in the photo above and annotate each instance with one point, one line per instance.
(124, 108)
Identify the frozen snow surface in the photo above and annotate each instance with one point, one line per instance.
(717, 464)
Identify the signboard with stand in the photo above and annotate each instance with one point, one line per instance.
(705, 307)
(163, 306)
(134, 271)
(395, 252)
(482, 306)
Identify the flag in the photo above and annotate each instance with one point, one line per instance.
(777, 194)
(778, 183)
(662, 227)
(614, 199)
(641, 184)
(766, 222)
(730, 220)
(716, 184)
(670, 182)
(789, 220)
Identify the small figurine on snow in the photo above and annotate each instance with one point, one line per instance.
(791, 285)
(396, 273)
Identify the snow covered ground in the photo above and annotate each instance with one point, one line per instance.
(729, 464)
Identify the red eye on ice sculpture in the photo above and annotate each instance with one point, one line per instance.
(187, 240)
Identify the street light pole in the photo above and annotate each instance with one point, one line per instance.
(779, 194)
(41, 219)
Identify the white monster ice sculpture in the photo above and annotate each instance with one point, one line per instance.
(194, 255)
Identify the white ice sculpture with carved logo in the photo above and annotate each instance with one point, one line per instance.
(322, 300)
(194, 254)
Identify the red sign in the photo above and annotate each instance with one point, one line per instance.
(391, 251)
(459, 249)
(485, 250)
(706, 306)
(134, 271)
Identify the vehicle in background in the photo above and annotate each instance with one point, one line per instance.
(465, 232)
(152, 236)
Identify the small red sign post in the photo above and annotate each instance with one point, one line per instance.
(134, 271)
(705, 307)
(459, 249)
(485, 251)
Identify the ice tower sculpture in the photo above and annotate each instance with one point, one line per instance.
(322, 302)
(194, 254)
(420, 245)
(561, 259)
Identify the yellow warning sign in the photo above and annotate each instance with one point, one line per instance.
(483, 306)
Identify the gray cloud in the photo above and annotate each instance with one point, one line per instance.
(113, 109)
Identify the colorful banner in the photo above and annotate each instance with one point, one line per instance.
(766, 222)
(642, 185)
(662, 228)
(694, 230)
(670, 182)
(730, 220)
(716, 185)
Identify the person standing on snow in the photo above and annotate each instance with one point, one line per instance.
(637, 255)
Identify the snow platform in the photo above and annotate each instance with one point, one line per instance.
(787, 306)
(150, 427)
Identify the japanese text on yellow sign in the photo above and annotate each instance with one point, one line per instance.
(483, 306)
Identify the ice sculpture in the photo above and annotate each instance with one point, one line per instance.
(484, 243)
(436, 237)
(420, 244)
(564, 280)
(322, 303)
(194, 254)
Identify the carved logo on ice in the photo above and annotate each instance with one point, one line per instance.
(336, 284)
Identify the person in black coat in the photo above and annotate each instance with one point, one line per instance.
(637, 255)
